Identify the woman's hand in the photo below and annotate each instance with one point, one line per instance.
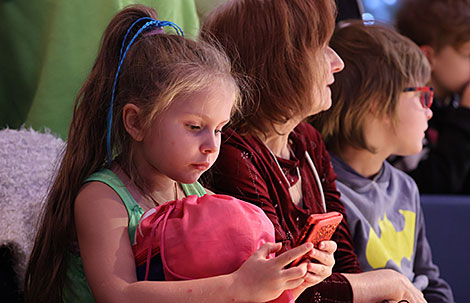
(260, 279)
(383, 284)
(317, 272)
(408, 291)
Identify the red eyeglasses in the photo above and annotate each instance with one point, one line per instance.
(426, 94)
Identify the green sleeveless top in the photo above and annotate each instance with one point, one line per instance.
(77, 289)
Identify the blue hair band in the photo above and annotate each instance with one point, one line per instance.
(150, 24)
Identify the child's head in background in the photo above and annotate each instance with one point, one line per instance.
(372, 109)
(441, 28)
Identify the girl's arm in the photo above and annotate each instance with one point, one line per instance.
(101, 222)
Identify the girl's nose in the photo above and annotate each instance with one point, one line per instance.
(210, 145)
(336, 62)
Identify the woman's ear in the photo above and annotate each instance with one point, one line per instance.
(131, 120)
(429, 52)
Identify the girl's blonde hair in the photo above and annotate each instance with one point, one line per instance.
(156, 69)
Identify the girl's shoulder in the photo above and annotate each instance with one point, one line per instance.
(119, 183)
(98, 196)
(104, 193)
(107, 189)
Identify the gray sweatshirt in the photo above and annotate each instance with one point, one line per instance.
(387, 225)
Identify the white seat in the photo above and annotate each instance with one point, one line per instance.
(27, 163)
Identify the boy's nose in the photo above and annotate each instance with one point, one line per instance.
(428, 113)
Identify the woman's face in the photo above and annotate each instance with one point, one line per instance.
(322, 97)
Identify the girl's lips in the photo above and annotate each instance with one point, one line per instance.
(201, 166)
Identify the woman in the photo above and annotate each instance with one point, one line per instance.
(270, 157)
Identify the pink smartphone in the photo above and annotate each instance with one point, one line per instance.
(319, 227)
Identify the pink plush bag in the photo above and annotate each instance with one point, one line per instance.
(199, 237)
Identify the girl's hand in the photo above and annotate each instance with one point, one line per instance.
(317, 272)
(260, 279)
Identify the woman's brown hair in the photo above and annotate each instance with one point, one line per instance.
(279, 46)
(157, 68)
(378, 64)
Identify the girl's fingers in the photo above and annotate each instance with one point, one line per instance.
(266, 249)
(296, 272)
(291, 284)
(292, 254)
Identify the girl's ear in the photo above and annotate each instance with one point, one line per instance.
(428, 52)
(131, 120)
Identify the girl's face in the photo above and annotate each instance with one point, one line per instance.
(406, 137)
(183, 141)
(334, 64)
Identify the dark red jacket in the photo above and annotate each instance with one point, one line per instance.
(246, 169)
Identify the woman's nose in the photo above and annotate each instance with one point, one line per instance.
(336, 62)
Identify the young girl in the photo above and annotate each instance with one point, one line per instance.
(151, 111)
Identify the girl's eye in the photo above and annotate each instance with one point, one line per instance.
(193, 127)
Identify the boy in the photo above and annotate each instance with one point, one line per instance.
(380, 108)
(441, 28)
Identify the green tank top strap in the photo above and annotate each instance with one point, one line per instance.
(194, 189)
(134, 211)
